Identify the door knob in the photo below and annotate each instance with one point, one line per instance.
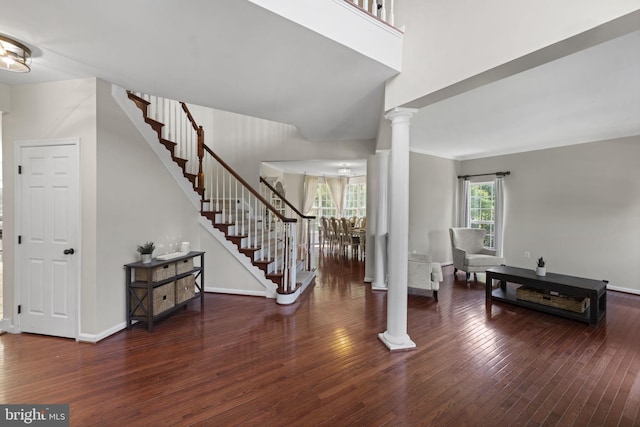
(69, 251)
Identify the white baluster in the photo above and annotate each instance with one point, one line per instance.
(268, 212)
(224, 218)
(275, 249)
(164, 118)
(161, 115)
(294, 248)
(152, 107)
(255, 222)
(217, 187)
(391, 14)
(383, 11)
(187, 146)
(211, 167)
(242, 212)
(262, 231)
(178, 131)
(285, 263)
(230, 212)
(174, 119)
(235, 198)
(183, 136)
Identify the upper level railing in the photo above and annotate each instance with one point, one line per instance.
(381, 9)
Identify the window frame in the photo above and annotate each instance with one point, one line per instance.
(359, 210)
(475, 203)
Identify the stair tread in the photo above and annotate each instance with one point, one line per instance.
(166, 141)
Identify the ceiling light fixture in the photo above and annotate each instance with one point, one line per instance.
(344, 171)
(14, 56)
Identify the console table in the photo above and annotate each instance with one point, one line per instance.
(570, 286)
(160, 287)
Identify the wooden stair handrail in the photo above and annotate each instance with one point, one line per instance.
(248, 187)
(293, 208)
(189, 116)
(202, 147)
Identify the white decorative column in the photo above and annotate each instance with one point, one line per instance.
(372, 200)
(382, 176)
(396, 337)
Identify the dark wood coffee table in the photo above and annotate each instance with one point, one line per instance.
(595, 290)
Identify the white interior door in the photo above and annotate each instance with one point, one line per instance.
(48, 232)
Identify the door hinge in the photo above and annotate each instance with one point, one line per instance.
(19, 309)
(19, 170)
(19, 240)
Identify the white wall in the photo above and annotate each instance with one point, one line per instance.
(432, 205)
(137, 201)
(5, 98)
(244, 142)
(225, 274)
(294, 187)
(65, 109)
(577, 206)
(449, 41)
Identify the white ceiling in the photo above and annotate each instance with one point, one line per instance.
(227, 54)
(591, 95)
(265, 66)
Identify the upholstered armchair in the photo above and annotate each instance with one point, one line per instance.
(469, 253)
(424, 274)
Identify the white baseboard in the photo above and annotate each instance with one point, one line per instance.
(6, 326)
(286, 299)
(94, 338)
(379, 287)
(625, 290)
(217, 290)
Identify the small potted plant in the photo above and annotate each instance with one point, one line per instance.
(540, 269)
(146, 251)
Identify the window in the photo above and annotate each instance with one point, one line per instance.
(322, 204)
(355, 204)
(482, 205)
(355, 201)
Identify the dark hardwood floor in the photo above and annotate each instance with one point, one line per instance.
(248, 361)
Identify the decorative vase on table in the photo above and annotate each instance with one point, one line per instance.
(540, 269)
(146, 258)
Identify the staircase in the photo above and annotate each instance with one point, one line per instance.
(247, 219)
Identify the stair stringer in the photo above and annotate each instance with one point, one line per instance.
(151, 137)
(270, 287)
(137, 118)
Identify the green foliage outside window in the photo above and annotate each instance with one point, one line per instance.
(356, 201)
(482, 209)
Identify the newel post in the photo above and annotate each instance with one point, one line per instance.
(200, 157)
